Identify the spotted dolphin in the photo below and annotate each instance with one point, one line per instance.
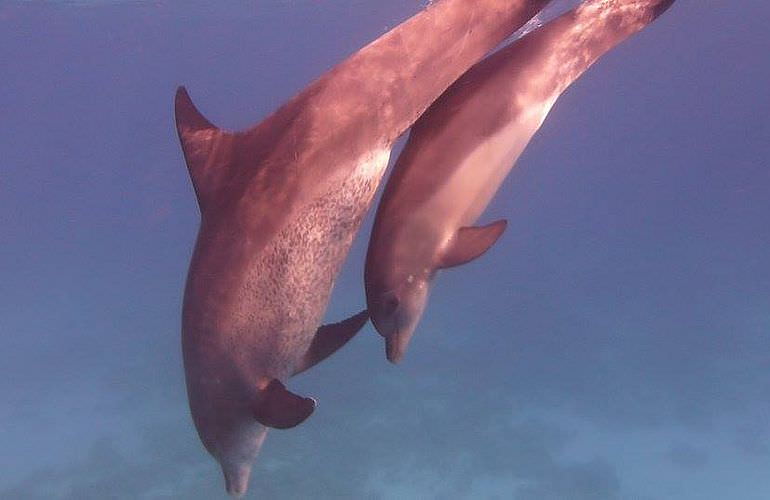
(280, 204)
(461, 149)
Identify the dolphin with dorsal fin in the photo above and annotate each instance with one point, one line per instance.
(461, 149)
(280, 204)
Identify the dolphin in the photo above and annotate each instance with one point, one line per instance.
(280, 204)
(461, 149)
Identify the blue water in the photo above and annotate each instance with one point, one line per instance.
(613, 345)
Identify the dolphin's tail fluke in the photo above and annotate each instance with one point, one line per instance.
(661, 7)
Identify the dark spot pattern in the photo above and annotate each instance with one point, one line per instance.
(287, 290)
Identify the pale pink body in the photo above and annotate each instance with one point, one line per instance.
(463, 147)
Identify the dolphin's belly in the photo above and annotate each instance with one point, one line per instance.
(289, 286)
(470, 188)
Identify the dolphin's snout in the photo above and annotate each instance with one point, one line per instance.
(236, 479)
(395, 347)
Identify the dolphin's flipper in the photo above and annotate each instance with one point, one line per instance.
(281, 409)
(200, 139)
(329, 338)
(471, 243)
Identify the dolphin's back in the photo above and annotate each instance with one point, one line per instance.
(360, 105)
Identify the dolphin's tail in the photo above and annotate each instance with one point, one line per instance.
(661, 7)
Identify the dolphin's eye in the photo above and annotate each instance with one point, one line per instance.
(390, 304)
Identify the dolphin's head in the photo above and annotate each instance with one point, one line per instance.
(400, 266)
(232, 423)
(222, 408)
(234, 439)
(396, 310)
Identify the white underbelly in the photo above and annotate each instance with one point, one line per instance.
(470, 188)
(292, 282)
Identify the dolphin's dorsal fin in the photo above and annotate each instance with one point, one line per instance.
(329, 338)
(281, 409)
(471, 242)
(200, 140)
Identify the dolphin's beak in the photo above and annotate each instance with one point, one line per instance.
(395, 346)
(236, 479)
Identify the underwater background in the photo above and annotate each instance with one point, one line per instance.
(615, 344)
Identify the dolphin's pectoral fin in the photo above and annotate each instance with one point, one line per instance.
(471, 243)
(329, 338)
(199, 138)
(281, 409)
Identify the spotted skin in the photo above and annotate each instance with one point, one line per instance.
(280, 204)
